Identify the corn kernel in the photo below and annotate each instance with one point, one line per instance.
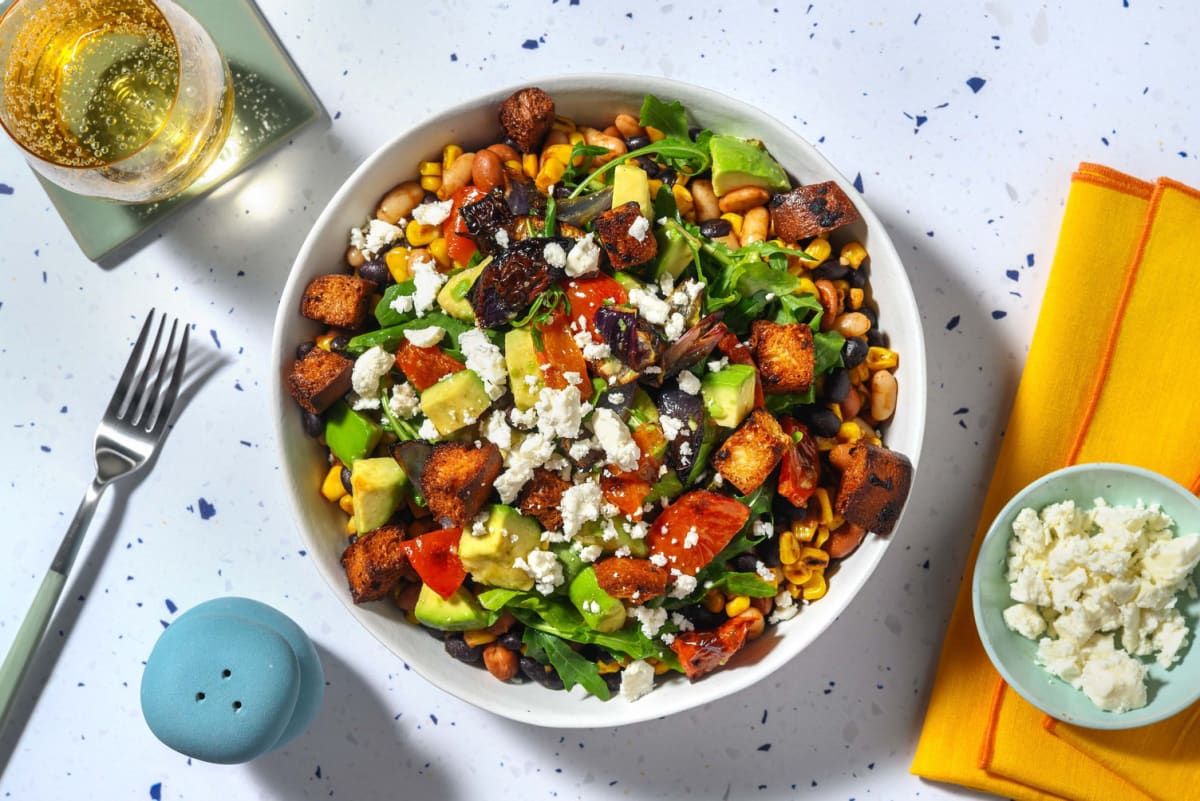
(822, 537)
(603, 667)
(440, 250)
(849, 432)
(346, 503)
(560, 153)
(684, 201)
(351, 529)
(837, 522)
(324, 341)
(860, 374)
(803, 530)
(429, 168)
(736, 605)
(826, 443)
(332, 487)
(564, 124)
(876, 441)
(853, 254)
(714, 601)
(856, 296)
(514, 167)
(806, 286)
(529, 164)
(797, 573)
(550, 174)
(826, 509)
(449, 154)
(419, 235)
(478, 637)
(881, 359)
(814, 558)
(815, 588)
(818, 249)
(653, 134)
(431, 183)
(660, 668)
(396, 260)
(735, 220)
(655, 185)
(789, 548)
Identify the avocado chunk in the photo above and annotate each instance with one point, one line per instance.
(520, 356)
(597, 532)
(455, 402)
(740, 162)
(627, 281)
(459, 612)
(377, 486)
(669, 486)
(508, 536)
(674, 250)
(600, 610)
(453, 295)
(350, 435)
(728, 394)
(630, 182)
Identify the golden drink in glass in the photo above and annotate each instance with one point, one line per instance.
(123, 99)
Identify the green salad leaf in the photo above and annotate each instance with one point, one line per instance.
(571, 667)
(389, 338)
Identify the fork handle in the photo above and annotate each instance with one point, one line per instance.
(33, 628)
(29, 636)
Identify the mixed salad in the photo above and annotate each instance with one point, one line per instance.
(602, 404)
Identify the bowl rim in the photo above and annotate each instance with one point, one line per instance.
(1104, 720)
(915, 391)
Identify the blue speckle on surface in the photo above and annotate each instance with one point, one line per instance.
(1104, 139)
(5, 189)
(207, 510)
(1029, 259)
(171, 607)
(453, 57)
(999, 315)
(953, 323)
(1012, 274)
(530, 44)
(1183, 154)
(961, 410)
(918, 19)
(212, 332)
(45, 449)
(156, 791)
(765, 747)
(976, 84)
(858, 184)
(318, 774)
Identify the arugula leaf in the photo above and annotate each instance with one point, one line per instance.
(782, 404)
(582, 153)
(750, 584)
(572, 668)
(548, 219)
(799, 308)
(544, 306)
(670, 118)
(390, 338)
(559, 617)
(384, 312)
(827, 351)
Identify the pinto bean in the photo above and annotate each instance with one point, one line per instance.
(487, 171)
(457, 176)
(399, 202)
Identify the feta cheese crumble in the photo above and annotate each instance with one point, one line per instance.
(501, 237)
(584, 257)
(425, 337)
(434, 212)
(688, 382)
(560, 411)
(639, 228)
(369, 370)
(637, 679)
(1078, 576)
(580, 503)
(614, 437)
(650, 306)
(404, 402)
(555, 255)
(427, 281)
(378, 235)
(486, 360)
(544, 568)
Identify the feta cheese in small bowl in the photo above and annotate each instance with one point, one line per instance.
(1085, 599)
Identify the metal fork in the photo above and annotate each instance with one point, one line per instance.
(130, 432)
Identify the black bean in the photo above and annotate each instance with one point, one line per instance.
(701, 617)
(430, 197)
(746, 563)
(561, 191)
(457, 647)
(635, 142)
(822, 422)
(768, 552)
(314, 426)
(857, 279)
(853, 353)
(716, 228)
(837, 385)
(511, 641)
(613, 680)
(649, 165)
(693, 131)
(871, 315)
(542, 674)
(877, 339)
(667, 176)
(303, 348)
(436, 634)
(376, 270)
(346, 479)
(338, 344)
(830, 271)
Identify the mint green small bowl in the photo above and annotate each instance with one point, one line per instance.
(1168, 691)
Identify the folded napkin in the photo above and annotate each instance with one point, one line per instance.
(1110, 376)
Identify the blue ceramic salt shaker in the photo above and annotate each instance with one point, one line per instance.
(230, 680)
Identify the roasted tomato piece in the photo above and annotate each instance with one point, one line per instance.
(424, 367)
(590, 293)
(513, 280)
(562, 355)
(800, 470)
(716, 519)
(459, 244)
(700, 652)
(435, 558)
(627, 493)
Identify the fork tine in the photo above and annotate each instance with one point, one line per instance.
(131, 367)
(159, 424)
(155, 398)
(138, 401)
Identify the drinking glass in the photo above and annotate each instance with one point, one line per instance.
(128, 100)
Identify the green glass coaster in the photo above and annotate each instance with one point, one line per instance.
(271, 102)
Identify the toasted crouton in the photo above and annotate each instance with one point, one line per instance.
(319, 379)
(527, 116)
(874, 487)
(341, 301)
(626, 236)
(542, 497)
(784, 354)
(457, 479)
(809, 211)
(374, 563)
(630, 579)
(749, 455)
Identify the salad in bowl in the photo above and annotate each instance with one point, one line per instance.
(602, 401)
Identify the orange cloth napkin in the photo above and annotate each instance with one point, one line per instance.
(1111, 376)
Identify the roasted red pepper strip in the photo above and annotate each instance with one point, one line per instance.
(562, 355)
(459, 244)
(590, 293)
(435, 558)
(703, 651)
(800, 471)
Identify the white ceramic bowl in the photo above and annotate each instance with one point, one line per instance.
(587, 99)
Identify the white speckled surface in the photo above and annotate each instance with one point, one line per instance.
(970, 184)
